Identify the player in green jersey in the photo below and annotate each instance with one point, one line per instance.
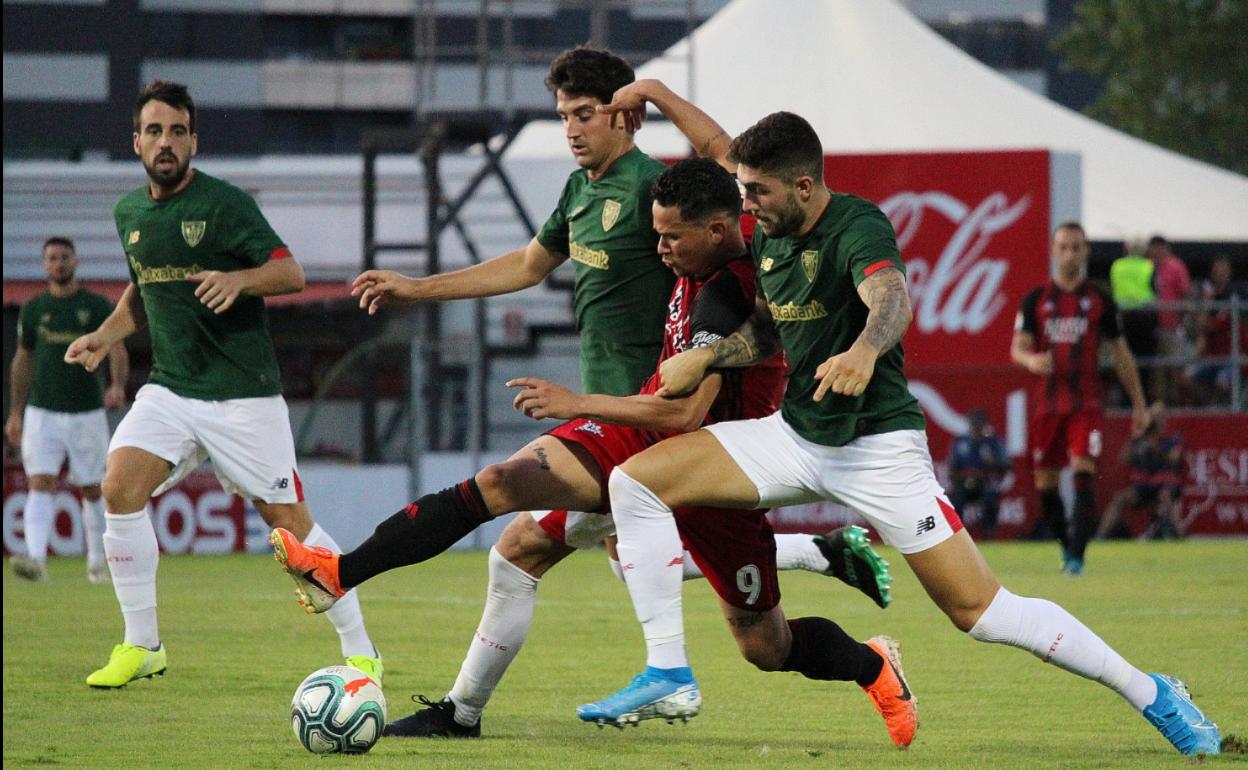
(833, 287)
(602, 222)
(201, 257)
(56, 412)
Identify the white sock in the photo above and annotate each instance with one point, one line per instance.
(799, 552)
(346, 615)
(133, 555)
(93, 527)
(1055, 636)
(37, 520)
(689, 570)
(509, 603)
(649, 546)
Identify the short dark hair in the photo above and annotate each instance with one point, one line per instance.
(173, 94)
(59, 240)
(781, 144)
(1071, 224)
(699, 187)
(1158, 240)
(586, 71)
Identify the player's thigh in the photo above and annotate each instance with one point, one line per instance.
(45, 442)
(529, 546)
(132, 475)
(88, 447)
(547, 473)
(956, 577)
(692, 468)
(251, 447)
(1084, 440)
(1048, 444)
(889, 479)
(159, 424)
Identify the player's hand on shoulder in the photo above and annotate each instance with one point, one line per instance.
(217, 290)
(377, 288)
(13, 430)
(541, 399)
(681, 374)
(87, 351)
(846, 373)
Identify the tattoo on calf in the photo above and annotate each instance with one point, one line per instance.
(747, 621)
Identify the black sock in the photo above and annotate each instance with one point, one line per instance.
(822, 650)
(420, 531)
(1054, 513)
(1084, 514)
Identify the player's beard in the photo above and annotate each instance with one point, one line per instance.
(168, 179)
(786, 222)
(63, 279)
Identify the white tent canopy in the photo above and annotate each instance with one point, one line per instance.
(870, 77)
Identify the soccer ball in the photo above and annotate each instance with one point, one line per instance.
(338, 710)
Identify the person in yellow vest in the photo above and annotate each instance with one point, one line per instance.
(1131, 283)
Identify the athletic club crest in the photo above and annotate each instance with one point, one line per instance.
(810, 264)
(193, 232)
(610, 214)
(84, 315)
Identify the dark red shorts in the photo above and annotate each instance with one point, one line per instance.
(735, 549)
(1058, 438)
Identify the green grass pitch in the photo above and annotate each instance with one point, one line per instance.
(238, 646)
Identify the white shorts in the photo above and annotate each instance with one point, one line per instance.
(887, 477)
(49, 437)
(247, 439)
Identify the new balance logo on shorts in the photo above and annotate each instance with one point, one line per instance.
(925, 525)
(590, 427)
(281, 483)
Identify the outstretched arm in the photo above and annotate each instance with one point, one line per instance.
(756, 340)
(1129, 376)
(504, 274)
(541, 399)
(706, 136)
(888, 315)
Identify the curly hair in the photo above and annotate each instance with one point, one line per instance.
(173, 94)
(585, 71)
(781, 144)
(700, 188)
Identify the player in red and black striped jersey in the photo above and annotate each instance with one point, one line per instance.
(1057, 337)
(695, 210)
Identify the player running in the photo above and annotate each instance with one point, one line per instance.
(1057, 338)
(849, 430)
(201, 258)
(56, 412)
(696, 209)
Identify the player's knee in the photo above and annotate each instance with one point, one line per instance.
(120, 496)
(91, 492)
(763, 654)
(497, 483)
(41, 483)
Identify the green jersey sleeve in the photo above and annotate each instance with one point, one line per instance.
(251, 238)
(554, 234)
(869, 244)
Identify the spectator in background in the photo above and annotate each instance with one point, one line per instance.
(1172, 283)
(977, 465)
(1157, 472)
(1217, 334)
(1131, 284)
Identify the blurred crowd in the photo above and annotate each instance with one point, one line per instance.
(1183, 331)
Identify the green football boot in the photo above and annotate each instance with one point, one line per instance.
(371, 666)
(853, 561)
(128, 663)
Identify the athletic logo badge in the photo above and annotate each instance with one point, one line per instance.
(133, 239)
(810, 264)
(926, 525)
(610, 214)
(590, 427)
(766, 263)
(84, 315)
(193, 232)
(280, 483)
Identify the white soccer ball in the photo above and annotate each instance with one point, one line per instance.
(338, 710)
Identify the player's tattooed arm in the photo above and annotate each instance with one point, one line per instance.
(888, 315)
(888, 304)
(755, 341)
